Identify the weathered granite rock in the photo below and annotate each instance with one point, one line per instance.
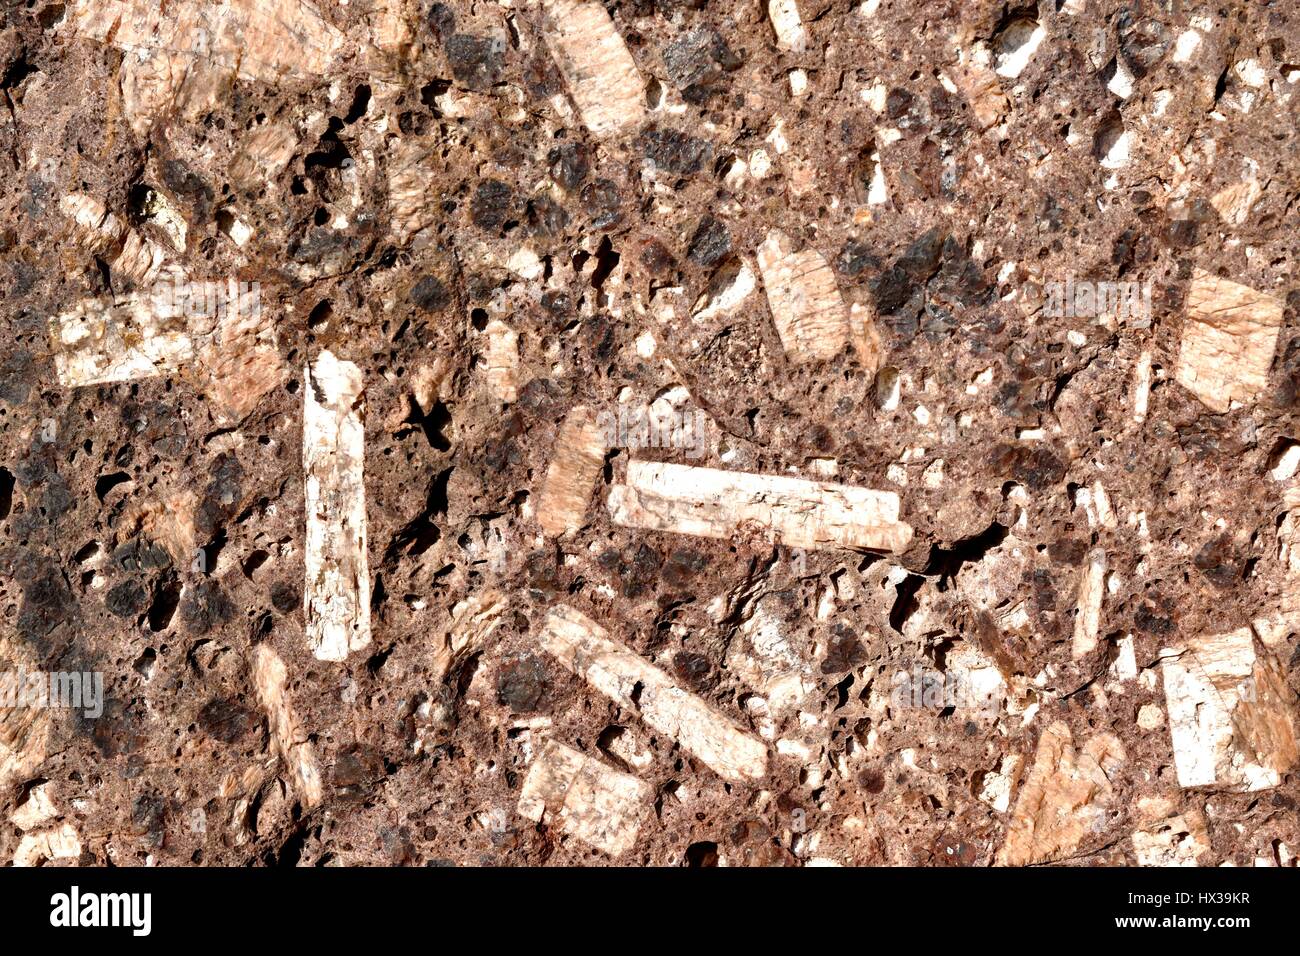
(580, 432)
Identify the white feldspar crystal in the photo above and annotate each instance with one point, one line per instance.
(984, 689)
(98, 342)
(502, 361)
(584, 647)
(1187, 44)
(1016, 46)
(804, 298)
(61, 843)
(594, 802)
(1230, 713)
(761, 656)
(1228, 340)
(790, 32)
(713, 503)
(597, 67)
(1065, 800)
(1287, 462)
(1091, 589)
(576, 463)
(260, 39)
(108, 237)
(337, 595)
(182, 57)
(270, 678)
(410, 185)
(1234, 202)
(1142, 387)
(727, 290)
(37, 809)
(1176, 841)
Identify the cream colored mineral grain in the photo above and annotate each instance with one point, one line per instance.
(1177, 841)
(594, 802)
(762, 657)
(979, 84)
(597, 67)
(109, 238)
(61, 843)
(410, 189)
(1231, 713)
(502, 361)
(790, 32)
(36, 810)
(805, 301)
(24, 730)
(576, 463)
(1142, 388)
(98, 342)
(712, 503)
(473, 621)
(1228, 340)
(1065, 799)
(584, 647)
(1092, 588)
(263, 154)
(270, 677)
(182, 58)
(263, 40)
(337, 597)
(865, 336)
(1233, 203)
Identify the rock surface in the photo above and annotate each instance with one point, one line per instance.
(649, 432)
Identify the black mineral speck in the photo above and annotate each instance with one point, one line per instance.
(285, 598)
(476, 62)
(710, 243)
(569, 164)
(127, 599)
(601, 202)
(546, 217)
(673, 151)
(843, 651)
(522, 684)
(697, 61)
(491, 206)
(430, 295)
(226, 719)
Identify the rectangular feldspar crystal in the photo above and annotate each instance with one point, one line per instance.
(584, 647)
(337, 594)
(805, 300)
(601, 75)
(712, 503)
(1230, 713)
(502, 361)
(1066, 800)
(1092, 587)
(788, 25)
(594, 802)
(1228, 340)
(261, 39)
(576, 462)
(270, 678)
(99, 342)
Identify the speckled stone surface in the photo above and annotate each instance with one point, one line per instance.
(556, 432)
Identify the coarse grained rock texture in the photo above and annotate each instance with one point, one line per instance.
(821, 246)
